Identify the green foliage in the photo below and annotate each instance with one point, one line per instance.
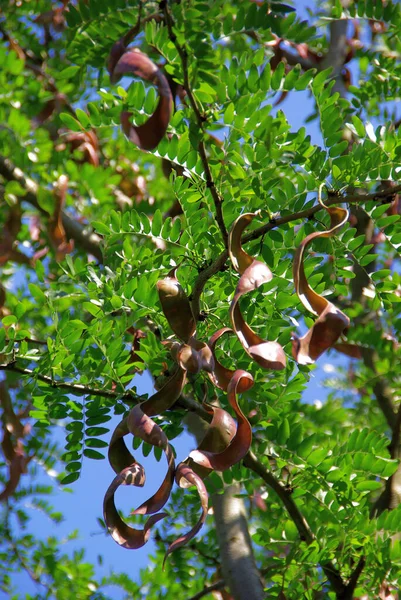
(69, 339)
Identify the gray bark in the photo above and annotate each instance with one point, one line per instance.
(237, 560)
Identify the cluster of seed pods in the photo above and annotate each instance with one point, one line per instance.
(226, 441)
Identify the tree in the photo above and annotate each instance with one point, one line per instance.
(178, 223)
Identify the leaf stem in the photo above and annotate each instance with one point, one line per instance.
(208, 589)
(201, 120)
(78, 389)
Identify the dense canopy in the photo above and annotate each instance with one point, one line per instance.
(208, 192)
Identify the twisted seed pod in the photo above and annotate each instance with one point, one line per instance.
(134, 62)
(241, 442)
(331, 321)
(130, 472)
(269, 355)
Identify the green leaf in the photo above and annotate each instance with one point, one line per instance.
(9, 320)
(101, 227)
(368, 486)
(317, 456)
(157, 223)
(96, 431)
(320, 79)
(229, 114)
(277, 76)
(98, 420)
(96, 311)
(283, 432)
(305, 447)
(89, 453)
(70, 478)
(95, 443)
(37, 293)
(304, 80)
(359, 126)
(69, 72)
(70, 122)
(82, 117)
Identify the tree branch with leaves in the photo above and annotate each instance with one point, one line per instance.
(184, 224)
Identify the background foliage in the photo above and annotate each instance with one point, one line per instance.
(90, 223)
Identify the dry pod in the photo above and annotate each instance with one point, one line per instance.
(241, 441)
(331, 321)
(176, 306)
(254, 273)
(123, 61)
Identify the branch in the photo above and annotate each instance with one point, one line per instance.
(28, 340)
(201, 119)
(218, 585)
(395, 439)
(309, 212)
(203, 278)
(304, 530)
(337, 53)
(218, 264)
(353, 580)
(295, 59)
(391, 496)
(87, 240)
(80, 390)
(74, 388)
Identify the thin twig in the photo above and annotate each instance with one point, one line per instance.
(218, 585)
(74, 388)
(304, 530)
(201, 119)
(309, 212)
(28, 340)
(79, 390)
